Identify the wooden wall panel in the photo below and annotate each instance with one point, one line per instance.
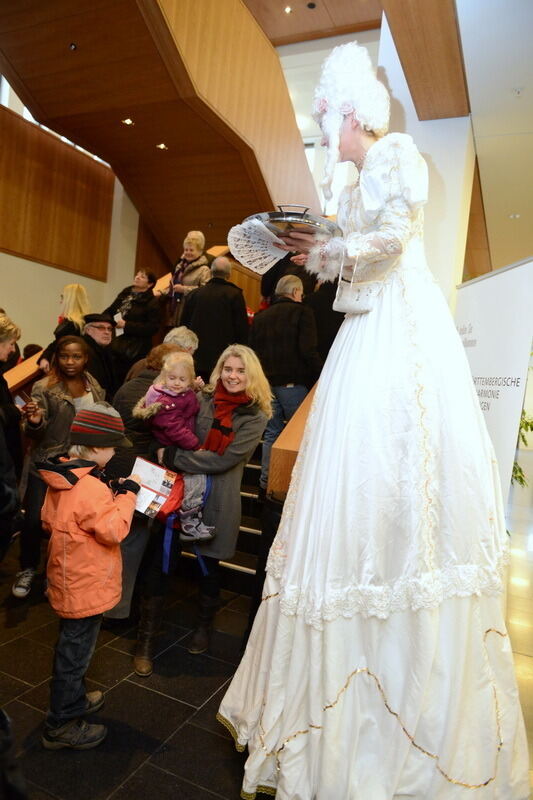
(426, 36)
(149, 254)
(56, 202)
(223, 163)
(236, 71)
(477, 254)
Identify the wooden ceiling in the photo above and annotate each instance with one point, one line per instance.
(425, 34)
(82, 68)
(427, 39)
(315, 20)
(200, 76)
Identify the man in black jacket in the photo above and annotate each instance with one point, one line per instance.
(98, 333)
(328, 321)
(284, 337)
(217, 314)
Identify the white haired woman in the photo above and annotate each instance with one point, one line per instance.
(191, 272)
(379, 665)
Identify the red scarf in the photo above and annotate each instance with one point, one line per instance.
(221, 432)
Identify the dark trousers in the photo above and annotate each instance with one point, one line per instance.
(73, 653)
(152, 580)
(32, 532)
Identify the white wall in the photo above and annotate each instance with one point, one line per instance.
(447, 145)
(30, 291)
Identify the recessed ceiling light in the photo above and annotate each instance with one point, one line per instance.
(514, 216)
(161, 146)
(288, 9)
(127, 121)
(73, 46)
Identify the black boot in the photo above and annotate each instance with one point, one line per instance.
(151, 608)
(200, 638)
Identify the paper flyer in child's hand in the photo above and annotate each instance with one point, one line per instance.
(156, 483)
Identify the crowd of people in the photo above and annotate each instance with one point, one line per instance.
(197, 403)
(378, 665)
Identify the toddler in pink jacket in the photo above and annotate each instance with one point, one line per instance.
(171, 406)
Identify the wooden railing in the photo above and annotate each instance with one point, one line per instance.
(23, 374)
(285, 449)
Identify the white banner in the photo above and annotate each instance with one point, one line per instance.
(494, 317)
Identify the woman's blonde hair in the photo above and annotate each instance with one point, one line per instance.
(257, 386)
(8, 329)
(171, 361)
(75, 303)
(195, 239)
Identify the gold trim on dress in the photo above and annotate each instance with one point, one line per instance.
(434, 756)
(261, 789)
(269, 597)
(241, 747)
(227, 724)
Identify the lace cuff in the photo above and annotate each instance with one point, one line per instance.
(325, 259)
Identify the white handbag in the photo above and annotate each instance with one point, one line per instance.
(355, 298)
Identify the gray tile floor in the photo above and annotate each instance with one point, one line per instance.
(163, 737)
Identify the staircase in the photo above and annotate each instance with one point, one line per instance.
(238, 573)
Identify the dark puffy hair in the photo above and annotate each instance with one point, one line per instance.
(150, 276)
(55, 375)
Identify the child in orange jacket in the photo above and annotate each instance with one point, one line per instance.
(87, 521)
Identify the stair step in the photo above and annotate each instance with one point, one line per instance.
(249, 491)
(234, 565)
(237, 574)
(252, 522)
(246, 529)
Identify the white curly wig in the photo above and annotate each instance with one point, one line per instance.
(348, 84)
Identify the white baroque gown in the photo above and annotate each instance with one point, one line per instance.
(379, 667)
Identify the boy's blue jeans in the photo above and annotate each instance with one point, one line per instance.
(73, 653)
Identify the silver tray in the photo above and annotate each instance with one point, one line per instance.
(283, 222)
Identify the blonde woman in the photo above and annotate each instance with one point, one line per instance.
(191, 272)
(234, 409)
(74, 306)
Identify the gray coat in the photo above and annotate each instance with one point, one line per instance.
(53, 431)
(223, 507)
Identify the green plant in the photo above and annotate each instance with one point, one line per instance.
(525, 427)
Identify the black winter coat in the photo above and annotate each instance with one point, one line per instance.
(285, 340)
(10, 419)
(142, 322)
(101, 365)
(217, 314)
(327, 320)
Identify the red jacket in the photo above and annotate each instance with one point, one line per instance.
(87, 522)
